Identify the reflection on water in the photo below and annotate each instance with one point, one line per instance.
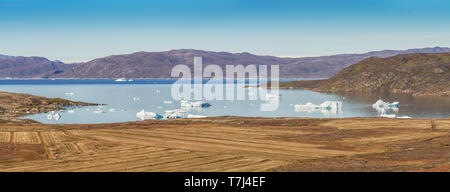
(124, 101)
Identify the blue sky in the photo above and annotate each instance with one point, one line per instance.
(81, 30)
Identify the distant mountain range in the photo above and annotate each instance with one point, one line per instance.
(30, 67)
(160, 64)
(418, 74)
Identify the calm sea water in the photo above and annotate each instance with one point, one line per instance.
(124, 99)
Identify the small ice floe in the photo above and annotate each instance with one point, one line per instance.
(194, 104)
(56, 116)
(121, 80)
(157, 91)
(143, 115)
(404, 117)
(381, 104)
(113, 110)
(167, 102)
(136, 99)
(71, 111)
(192, 116)
(130, 80)
(225, 107)
(174, 113)
(159, 107)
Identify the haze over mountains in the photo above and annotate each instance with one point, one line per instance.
(160, 64)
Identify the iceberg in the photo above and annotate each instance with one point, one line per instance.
(174, 113)
(381, 104)
(143, 115)
(167, 102)
(120, 80)
(55, 116)
(329, 108)
(194, 104)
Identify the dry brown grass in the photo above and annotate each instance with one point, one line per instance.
(228, 144)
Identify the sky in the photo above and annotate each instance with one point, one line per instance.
(81, 30)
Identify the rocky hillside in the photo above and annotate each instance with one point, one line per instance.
(29, 67)
(16, 104)
(418, 74)
(160, 64)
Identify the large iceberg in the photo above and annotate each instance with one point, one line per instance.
(143, 115)
(329, 108)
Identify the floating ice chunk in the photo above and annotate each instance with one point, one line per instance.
(194, 104)
(331, 105)
(381, 104)
(112, 110)
(71, 111)
(404, 117)
(49, 116)
(143, 115)
(157, 91)
(191, 116)
(70, 94)
(136, 99)
(130, 80)
(56, 116)
(159, 107)
(167, 102)
(329, 108)
(120, 80)
(174, 113)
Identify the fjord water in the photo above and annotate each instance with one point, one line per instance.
(124, 99)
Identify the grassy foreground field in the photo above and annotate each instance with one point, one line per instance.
(229, 144)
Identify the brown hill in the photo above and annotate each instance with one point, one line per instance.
(160, 64)
(28, 67)
(418, 74)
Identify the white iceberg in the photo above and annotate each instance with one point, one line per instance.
(329, 108)
(174, 113)
(120, 80)
(194, 104)
(143, 115)
(381, 104)
(167, 102)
